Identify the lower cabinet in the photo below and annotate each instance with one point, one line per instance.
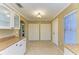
(18, 48)
(68, 52)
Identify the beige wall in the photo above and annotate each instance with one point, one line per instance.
(61, 24)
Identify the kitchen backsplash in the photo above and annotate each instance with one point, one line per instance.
(7, 33)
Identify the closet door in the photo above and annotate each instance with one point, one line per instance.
(33, 31)
(45, 31)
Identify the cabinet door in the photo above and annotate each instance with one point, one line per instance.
(12, 50)
(18, 48)
(5, 17)
(16, 21)
(22, 46)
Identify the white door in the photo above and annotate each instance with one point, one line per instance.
(45, 31)
(33, 31)
(55, 31)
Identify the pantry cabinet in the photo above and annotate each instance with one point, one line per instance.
(18, 48)
(8, 19)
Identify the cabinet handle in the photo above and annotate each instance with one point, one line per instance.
(20, 45)
(16, 44)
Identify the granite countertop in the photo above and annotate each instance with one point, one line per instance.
(6, 42)
(73, 48)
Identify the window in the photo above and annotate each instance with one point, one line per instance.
(70, 28)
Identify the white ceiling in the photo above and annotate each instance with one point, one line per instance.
(50, 10)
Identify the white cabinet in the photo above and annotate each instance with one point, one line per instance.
(8, 18)
(18, 48)
(16, 21)
(5, 17)
(10, 50)
(21, 47)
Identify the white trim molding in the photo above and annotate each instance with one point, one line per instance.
(61, 10)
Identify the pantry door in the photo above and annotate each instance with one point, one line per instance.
(45, 31)
(55, 31)
(33, 32)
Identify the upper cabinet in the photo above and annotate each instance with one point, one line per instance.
(16, 21)
(8, 19)
(5, 17)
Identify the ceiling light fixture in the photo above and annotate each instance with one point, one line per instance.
(39, 15)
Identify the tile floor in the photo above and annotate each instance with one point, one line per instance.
(42, 48)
